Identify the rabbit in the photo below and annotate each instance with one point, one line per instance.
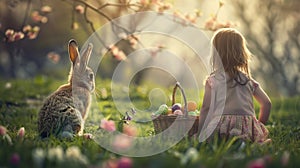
(64, 111)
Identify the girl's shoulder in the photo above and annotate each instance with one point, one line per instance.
(253, 84)
(215, 79)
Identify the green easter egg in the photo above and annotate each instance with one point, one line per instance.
(163, 109)
(193, 113)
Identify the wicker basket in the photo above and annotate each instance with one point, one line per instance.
(163, 122)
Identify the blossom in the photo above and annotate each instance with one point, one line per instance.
(33, 32)
(103, 93)
(108, 125)
(38, 156)
(21, 132)
(9, 32)
(191, 18)
(127, 116)
(7, 86)
(258, 163)
(190, 155)
(133, 41)
(13, 35)
(36, 17)
(27, 28)
(44, 19)
(56, 153)
(285, 158)
(124, 162)
(73, 153)
(130, 130)
(54, 57)
(2, 130)
(117, 53)
(15, 159)
(120, 56)
(46, 9)
(79, 9)
(18, 36)
(88, 136)
(122, 142)
(210, 23)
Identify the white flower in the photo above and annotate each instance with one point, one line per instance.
(56, 153)
(38, 156)
(8, 85)
(73, 153)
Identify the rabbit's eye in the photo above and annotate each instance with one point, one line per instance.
(91, 76)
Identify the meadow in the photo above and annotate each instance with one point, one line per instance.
(20, 101)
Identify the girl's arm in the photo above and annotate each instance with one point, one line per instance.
(205, 105)
(265, 104)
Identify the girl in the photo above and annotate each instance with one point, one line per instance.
(227, 108)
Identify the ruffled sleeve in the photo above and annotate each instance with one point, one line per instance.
(254, 85)
(211, 81)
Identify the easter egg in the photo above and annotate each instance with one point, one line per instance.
(163, 109)
(178, 112)
(170, 111)
(191, 105)
(176, 106)
(192, 113)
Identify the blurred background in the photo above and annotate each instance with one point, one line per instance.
(34, 35)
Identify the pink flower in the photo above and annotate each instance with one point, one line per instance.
(15, 159)
(18, 36)
(210, 23)
(191, 18)
(88, 136)
(130, 130)
(21, 132)
(27, 28)
(122, 142)
(54, 57)
(9, 32)
(111, 163)
(35, 16)
(108, 125)
(79, 9)
(46, 9)
(285, 158)
(124, 162)
(2, 130)
(258, 163)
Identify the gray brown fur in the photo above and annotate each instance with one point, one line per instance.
(67, 108)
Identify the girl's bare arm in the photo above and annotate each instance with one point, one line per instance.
(265, 104)
(205, 105)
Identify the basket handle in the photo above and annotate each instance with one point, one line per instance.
(177, 85)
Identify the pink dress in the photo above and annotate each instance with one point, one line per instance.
(238, 116)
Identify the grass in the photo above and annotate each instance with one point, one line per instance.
(20, 101)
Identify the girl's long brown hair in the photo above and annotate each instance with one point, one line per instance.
(231, 50)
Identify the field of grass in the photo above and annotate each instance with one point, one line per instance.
(20, 101)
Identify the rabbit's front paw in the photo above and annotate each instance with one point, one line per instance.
(66, 135)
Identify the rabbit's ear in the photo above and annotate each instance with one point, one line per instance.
(86, 56)
(73, 51)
